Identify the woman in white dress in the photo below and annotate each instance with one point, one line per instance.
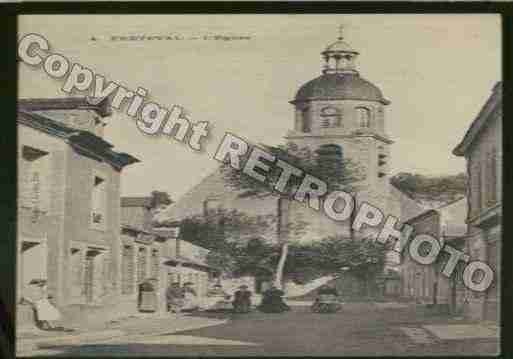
(46, 313)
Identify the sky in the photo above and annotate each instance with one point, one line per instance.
(437, 71)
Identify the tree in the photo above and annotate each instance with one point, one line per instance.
(304, 263)
(333, 253)
(218, 226)
(363, 258)
(235, 239)
(326, 164)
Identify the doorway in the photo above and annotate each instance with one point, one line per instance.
(34, 254)
(90, 275)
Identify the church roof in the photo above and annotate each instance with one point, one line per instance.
(347, 86)
(493, 103)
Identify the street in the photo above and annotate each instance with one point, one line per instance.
(360, 329)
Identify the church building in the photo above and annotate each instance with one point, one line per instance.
(338, 113)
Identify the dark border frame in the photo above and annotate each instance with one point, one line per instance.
(8, 98)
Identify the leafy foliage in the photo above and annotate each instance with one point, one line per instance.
(362, 258)
(239, 246)
(327, 164)
(337, 172)
(439, 188)
(239, 243)
(219, 226)
(244, 259)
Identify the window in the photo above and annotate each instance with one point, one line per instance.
(305, 120)
(99, 201)
(330, 117)
(34, 192)
(76, 273)
(494, 261)
(331, 158)
(127, 273)
(363, 115)
(155, 263)
(476, 190)
(491, 178)
(141, 264)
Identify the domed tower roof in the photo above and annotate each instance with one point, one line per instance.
(339, 80)
(340, 87)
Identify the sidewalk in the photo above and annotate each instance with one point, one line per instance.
(134, 325)
(419, 324)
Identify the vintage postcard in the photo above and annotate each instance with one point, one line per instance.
(259, 185)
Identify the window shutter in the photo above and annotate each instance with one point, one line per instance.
(492, 178)
(305, 120)
(477, 189)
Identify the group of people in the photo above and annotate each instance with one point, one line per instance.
(181, 299)
(272, 301)
(185, 299)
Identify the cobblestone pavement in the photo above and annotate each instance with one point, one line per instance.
(359, 329)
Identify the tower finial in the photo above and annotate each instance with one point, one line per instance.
(339, 57)
(341, 32)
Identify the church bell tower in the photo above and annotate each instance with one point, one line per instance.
(341, 110)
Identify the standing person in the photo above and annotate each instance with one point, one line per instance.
(46, 313)
(272, 301)
(175, 297)
(190, 297)
(242, 300)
